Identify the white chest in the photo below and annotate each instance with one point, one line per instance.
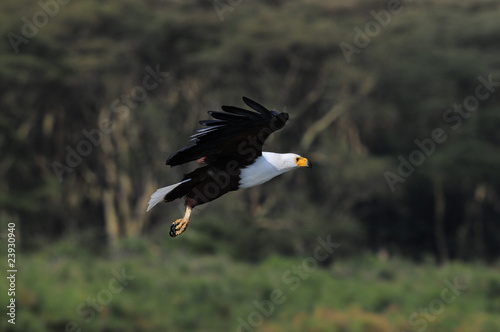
(259, 172)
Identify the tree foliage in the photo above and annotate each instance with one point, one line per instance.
(94, 102)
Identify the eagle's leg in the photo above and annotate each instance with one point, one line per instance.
(180, 225)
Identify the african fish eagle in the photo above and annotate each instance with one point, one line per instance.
(231, 149)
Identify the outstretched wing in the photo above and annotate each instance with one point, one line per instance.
(235, 134)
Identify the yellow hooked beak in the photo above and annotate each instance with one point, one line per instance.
(302, 162)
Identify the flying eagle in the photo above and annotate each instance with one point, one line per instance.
(230, 146)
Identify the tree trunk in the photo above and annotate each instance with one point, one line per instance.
(439, 210)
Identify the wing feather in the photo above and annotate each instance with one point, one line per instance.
(256, 106)
(239, 111)
(227, 117)
(236, 134)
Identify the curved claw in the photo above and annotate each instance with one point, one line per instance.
(172, 230)
(178, 227)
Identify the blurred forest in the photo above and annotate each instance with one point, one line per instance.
(395, 103)
(84, 142)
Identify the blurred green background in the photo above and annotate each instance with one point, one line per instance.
(396, 228)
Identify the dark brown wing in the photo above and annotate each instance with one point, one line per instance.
(235, 134)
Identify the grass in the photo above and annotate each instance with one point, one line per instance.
(65, 288)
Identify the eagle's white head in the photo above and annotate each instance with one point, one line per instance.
(270, 165)
(286, 161)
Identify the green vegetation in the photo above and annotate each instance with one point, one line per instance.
(94, 103)
(397, 107)
(170, 290)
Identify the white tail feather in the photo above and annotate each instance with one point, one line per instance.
(159, 195)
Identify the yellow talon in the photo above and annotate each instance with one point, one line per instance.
(179, 226)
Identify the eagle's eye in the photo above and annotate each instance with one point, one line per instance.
(297, 159)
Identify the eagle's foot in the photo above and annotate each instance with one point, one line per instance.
(178, 227)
